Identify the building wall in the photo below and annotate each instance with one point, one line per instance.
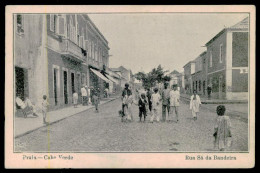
(214, 47)
(240, 49)
(28, 55)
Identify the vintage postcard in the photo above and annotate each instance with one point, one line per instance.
(130, 86)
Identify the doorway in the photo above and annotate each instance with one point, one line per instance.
(21, 82)
(72, 83)
(55, 85)
(65, 79)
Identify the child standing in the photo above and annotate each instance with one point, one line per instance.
(155, 99)
(75, 99)
(44, 108)
(195, 104)
(142, 106)
(96, 100)
(222, 129)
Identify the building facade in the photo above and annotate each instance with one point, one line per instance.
(199, 78)
(189, 69)
(64, 50)
(227, 55)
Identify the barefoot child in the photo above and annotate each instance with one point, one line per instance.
(44, 108)
(155, 99)
(195, 104)
(222, 129)
(142, 106)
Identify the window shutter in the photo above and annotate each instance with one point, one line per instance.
(61, 26)
(52, 22)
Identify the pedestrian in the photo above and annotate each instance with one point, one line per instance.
(195, 104)
(45, 105)
(84, 96)
(98, 94)
(75, 99)
(165, 101)
(89, 95)
(142, 106)
(149, 95)
(106, 93)
(174, 102)
(129, 102)
(124, 93)
(96, 100)
(209, 89)
(222, 130)
(155, 98)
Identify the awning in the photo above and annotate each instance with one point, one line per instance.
(100, 75)
(112, 79)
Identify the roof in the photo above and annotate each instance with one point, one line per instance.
(189, 63)
(242, 25)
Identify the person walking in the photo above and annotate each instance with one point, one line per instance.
(165, 101)
(149, 96)
(222, 128)
(84, 96)
(96, 100)
(209, 89)
(155, 99)
(129, 102)
(124, 93)
(142, 107)
(195, 104)
(174, 102)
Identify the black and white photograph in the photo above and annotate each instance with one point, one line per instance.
(130, 82)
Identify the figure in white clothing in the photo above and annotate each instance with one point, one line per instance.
(155, 99)
(174, 102)
(129, 103)
(195, 104)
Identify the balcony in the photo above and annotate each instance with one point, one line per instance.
(71, 50)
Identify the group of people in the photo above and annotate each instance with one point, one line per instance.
(151, 100)
(90, 95)
(170, 100)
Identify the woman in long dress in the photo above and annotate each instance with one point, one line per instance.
(195, 104)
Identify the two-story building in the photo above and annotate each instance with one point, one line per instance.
(199, 77)
(189, 69)
(65, 52)
(227, 55)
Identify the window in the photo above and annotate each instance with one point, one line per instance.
(54, 23)
(199, 85)
(220, 53)
(19, 22)
(210, 59)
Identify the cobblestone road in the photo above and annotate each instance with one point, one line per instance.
(103, 131)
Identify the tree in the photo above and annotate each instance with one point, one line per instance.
(156, 75)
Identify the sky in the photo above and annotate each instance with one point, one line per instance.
(141, 41)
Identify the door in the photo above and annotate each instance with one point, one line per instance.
(220, 83)
(55, 87)
(19, 82)
(72, 83)
(65, 79)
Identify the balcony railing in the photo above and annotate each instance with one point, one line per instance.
(71, 50)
